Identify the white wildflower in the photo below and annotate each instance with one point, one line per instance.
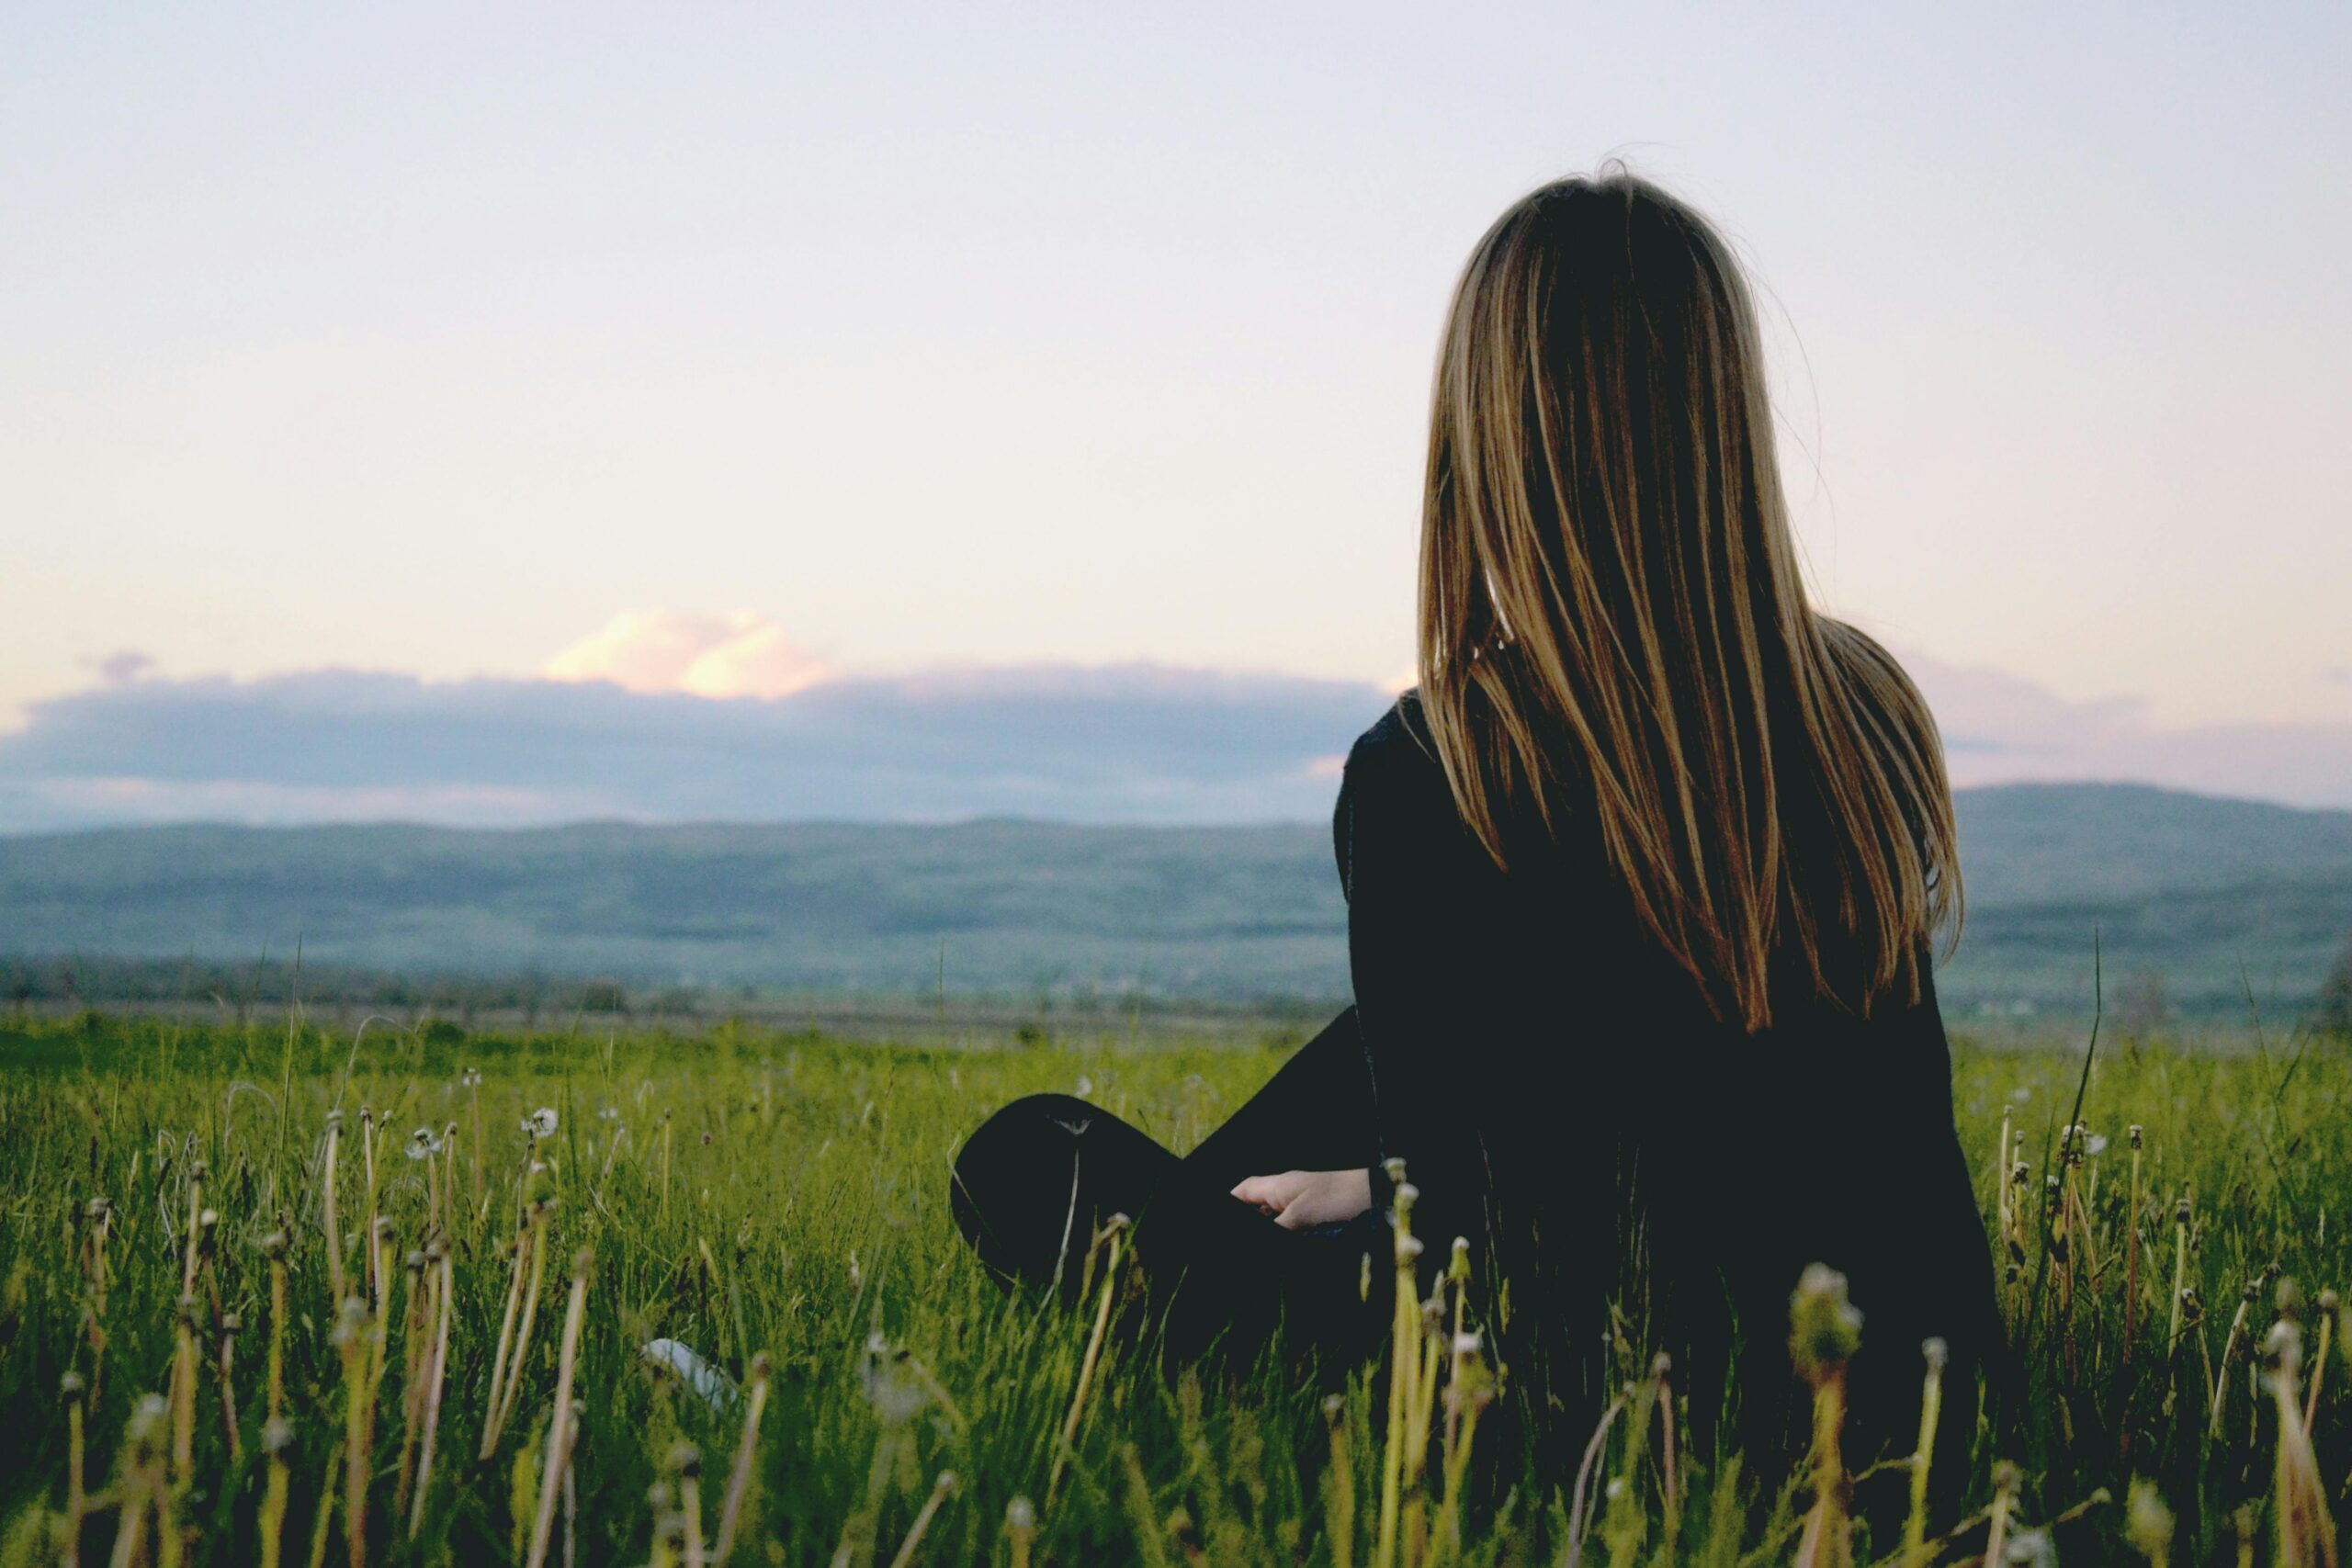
(710, 1384)
(540, 1123)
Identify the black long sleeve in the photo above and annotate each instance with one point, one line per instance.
(1562, 1096)
(1433, 953)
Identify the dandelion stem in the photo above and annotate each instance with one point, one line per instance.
(506, 1341)
(906, 1553)
(1116, 1230)
(1931, 1400)
(560, 1430)
(334, 1242)
(444, 1289)
(738, 1475)
(1340, 1486)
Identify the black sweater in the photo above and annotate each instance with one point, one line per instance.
(1561, 1097)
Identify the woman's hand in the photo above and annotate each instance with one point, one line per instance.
(1298, 1200)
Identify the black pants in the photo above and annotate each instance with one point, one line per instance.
(1036, 1181)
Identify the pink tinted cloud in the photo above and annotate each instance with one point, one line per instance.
(1999, 729)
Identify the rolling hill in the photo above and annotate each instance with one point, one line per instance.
(2208, 898)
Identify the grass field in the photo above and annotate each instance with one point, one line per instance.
(191, 1371)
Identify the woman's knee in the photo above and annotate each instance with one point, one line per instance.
(1015, 1183)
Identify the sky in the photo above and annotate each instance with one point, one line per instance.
(775, 394)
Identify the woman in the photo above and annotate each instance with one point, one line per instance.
(1641, 881)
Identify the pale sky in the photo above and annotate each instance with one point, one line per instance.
(429, 341)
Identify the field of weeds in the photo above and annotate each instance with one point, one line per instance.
(284, 1296)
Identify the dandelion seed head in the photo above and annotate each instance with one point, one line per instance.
(146, 1419)
(2148, 1521)
(1824, 1326)
(2030, 1549)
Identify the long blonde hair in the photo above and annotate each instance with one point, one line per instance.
(1613, 619)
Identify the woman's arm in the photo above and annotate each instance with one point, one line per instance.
(1437, 960)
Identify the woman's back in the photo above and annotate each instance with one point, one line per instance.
(1642, 1167)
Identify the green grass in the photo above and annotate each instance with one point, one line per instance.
(749, 1193)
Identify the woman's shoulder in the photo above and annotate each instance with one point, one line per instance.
(1393, 786)
(1397, 741)
(1395, 762)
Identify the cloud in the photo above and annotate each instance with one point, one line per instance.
(628, 729)
(1998, 729)
(123, 665)
(739, 655)
(1129, 743)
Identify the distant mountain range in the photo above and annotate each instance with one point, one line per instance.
(2198, 902)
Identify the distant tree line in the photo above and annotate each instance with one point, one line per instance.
(267, 983)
